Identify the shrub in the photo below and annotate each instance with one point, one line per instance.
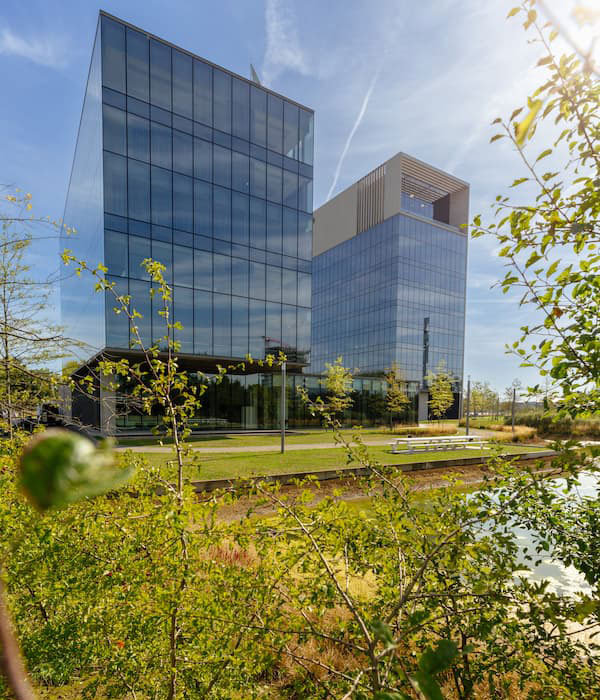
(558, 426)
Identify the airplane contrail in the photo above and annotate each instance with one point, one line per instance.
(361, 114)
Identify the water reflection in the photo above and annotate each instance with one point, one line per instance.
(563, 580)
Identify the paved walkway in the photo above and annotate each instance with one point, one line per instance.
(248, 448)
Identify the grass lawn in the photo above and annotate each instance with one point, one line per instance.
(300, 438)
(244, 464)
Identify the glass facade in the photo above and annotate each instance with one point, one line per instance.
(252, 401)
(82, 310)
(373, 293)
(212, 176)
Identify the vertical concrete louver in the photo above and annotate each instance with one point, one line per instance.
(370, 199)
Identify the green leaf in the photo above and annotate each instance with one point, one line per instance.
(524, 127)
(440, 658)
(543, 154)
(427, 686)
(58, 467)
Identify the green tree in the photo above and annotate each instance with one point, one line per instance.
(396, 398)
(549, 236)
(30, 344)
(516, 387)
(338, 385)
(440, 391)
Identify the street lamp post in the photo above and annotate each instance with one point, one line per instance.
(468, 405)
(283, 405)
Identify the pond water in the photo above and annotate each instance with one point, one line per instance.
(563, 580)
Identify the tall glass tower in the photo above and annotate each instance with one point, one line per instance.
(389, 274)
(209, 173)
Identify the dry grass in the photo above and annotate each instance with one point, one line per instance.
(233, 555)
(522, 433)
(425, 431)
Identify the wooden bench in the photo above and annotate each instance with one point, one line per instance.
(432, 444)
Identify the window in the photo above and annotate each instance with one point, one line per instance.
(240, 218)
(258, 178)
(304, 283)
(274, 227)
(240, 177)
(257, 280)
(182, 84)
(162, 197)
(273, 283)
(222, 213)
(117, 325)
(273, 329)
(239, 277)
(203, 93)
(258, 223)
(138, 190)
(115, 253)
(113, 55)
(241, 109)
(202, 208)
(290, 189)
(162, 253)
(239, 326)
(274, 184)
(290, 232)
(115, 184)
(183, 154)
(222, 324)
(221, 166)
(257, 331)
(222, 273)
(305, 194)
(275, 124)
(288, 287)
(138, 137)
(203, 323)
(160, 145)
(183, 311)
(141, 302)
(290, 130)
(138, 72)
(304, 236)
(306, 137)
(183, 203)
(203, 270)
(258, 116)
(113, 129)
(288, 325)
(160, 74)
(222, 100)
(139, 250)
(203, 160)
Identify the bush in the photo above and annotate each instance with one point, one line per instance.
(564, 426)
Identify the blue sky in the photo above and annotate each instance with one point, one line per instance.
(383, 76)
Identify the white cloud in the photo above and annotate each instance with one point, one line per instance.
(283, 51)
(43, 50)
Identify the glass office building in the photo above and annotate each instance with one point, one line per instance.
(211, 174)
(389, 275)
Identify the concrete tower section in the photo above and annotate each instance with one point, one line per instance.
(389, 275)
